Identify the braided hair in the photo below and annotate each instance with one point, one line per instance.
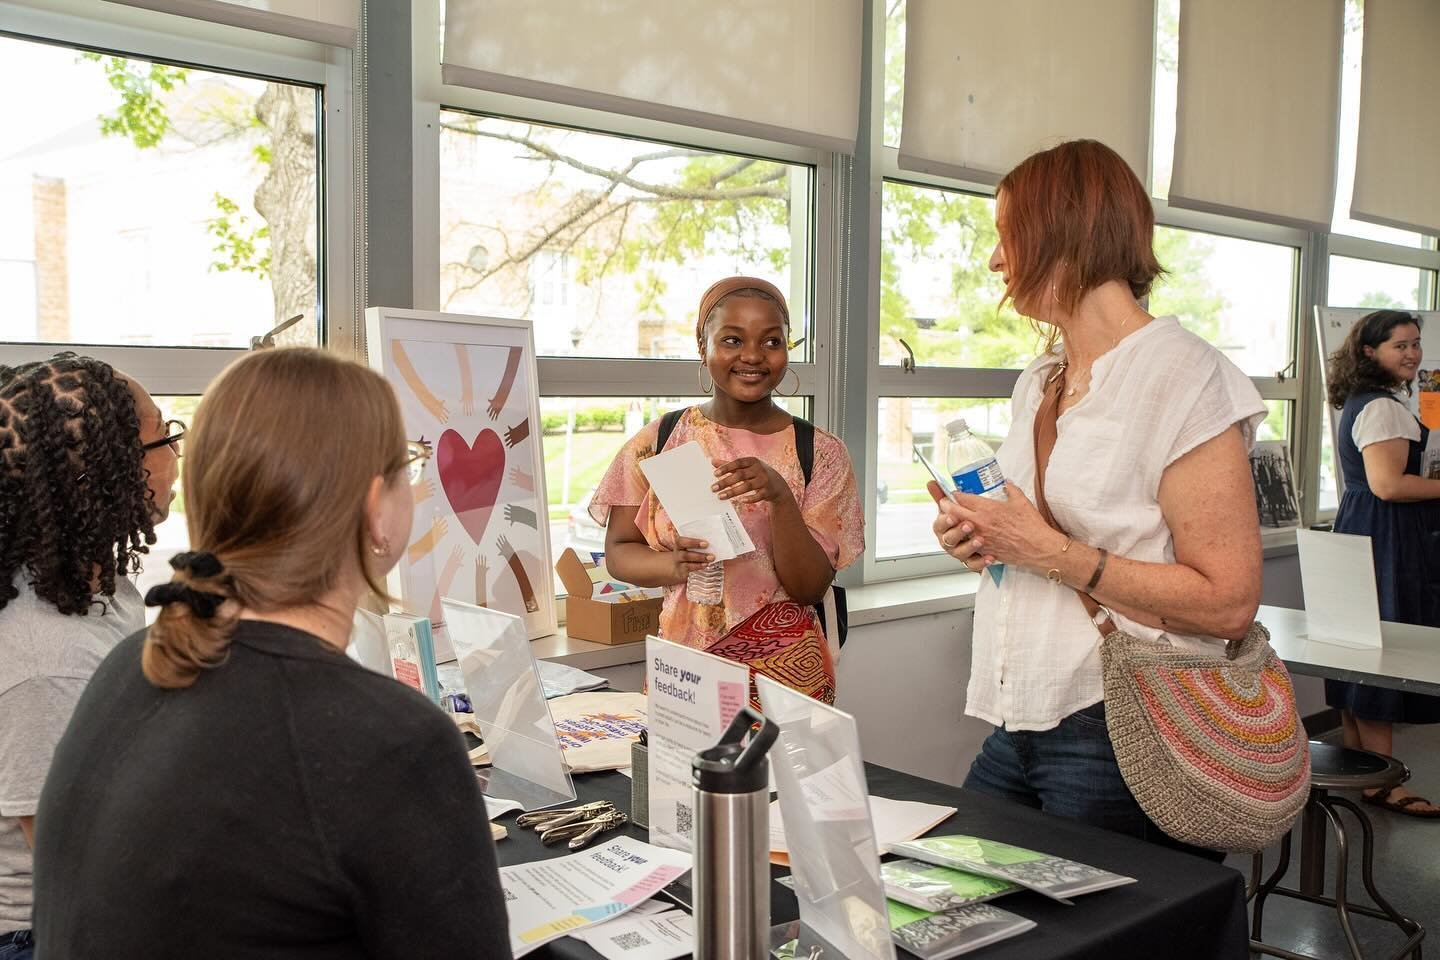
(74, 497)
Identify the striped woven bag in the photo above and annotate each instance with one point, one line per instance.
(1211, 746)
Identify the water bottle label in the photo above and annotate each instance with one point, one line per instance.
(983, 479)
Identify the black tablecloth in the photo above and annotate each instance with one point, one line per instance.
(1182, 906)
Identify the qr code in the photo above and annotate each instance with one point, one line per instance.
(509, 896)
(684, 820)
(630, 940)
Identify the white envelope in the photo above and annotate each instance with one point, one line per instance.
(681, 477)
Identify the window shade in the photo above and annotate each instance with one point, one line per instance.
(1258, 113)
(787, 71)
(1397, 159)
(334, 22)
(987, 84)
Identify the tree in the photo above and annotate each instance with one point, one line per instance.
(279, 127)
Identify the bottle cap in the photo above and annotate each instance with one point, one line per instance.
(957, 426)
(736, 765)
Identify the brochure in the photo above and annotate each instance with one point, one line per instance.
(643, 935)
(551, 898)
(1055, 877)
(928, 887)
(681, 478)
(939, 936)
(413, 652)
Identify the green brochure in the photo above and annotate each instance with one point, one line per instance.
(939, 936)
(928, 887)
(1055, 877)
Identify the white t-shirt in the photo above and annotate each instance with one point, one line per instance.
(46, 658)
(1384, 419)
(1157, 395)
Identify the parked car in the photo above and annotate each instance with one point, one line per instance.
(582, 532)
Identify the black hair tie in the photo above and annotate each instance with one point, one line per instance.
(198, 564)
(201, 603)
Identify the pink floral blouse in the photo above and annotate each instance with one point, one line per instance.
(830, 506)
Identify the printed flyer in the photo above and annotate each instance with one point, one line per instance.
(549, 899)
(693, 698)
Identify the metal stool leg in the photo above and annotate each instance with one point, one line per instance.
(1263, 890)
(1367, 864)
(1342, 874)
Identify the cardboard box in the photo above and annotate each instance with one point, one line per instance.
(587, 618)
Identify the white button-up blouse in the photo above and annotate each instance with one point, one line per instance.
(1155, 396)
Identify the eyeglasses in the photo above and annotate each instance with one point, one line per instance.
(174, 433)
(416, 453)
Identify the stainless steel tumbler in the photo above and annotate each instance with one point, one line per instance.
(730, 791)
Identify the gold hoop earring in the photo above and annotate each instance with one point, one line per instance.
(381, 549)
(782, 380)
(700, 376)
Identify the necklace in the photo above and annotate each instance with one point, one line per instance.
(1065, 365)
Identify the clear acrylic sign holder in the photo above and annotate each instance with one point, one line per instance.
(503, 683)
(825, 806)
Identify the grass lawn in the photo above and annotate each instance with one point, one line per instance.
(590, 456)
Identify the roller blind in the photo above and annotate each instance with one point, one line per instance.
(1397, 159)
(1258, 114)
(335, 22)
(786, 71)
(987, 84)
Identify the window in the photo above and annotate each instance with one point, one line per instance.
(1368, 283)
(1349, 135)
(1239, 295)
(904, 509)
(937, 294)
(606, 243)
(147, 203)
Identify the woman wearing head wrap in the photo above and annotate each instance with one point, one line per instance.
(757, 608)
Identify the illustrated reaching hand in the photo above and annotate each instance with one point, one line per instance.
(517, 433)
(517, 514)
(522, 479)
(507, 382)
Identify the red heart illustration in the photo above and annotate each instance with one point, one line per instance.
(471, 474)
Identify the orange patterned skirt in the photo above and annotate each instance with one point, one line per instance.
(785, 643)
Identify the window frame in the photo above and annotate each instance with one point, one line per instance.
(961, 382)
(144, 34)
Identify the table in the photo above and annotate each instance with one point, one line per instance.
(1182, 906)
(1409, 659)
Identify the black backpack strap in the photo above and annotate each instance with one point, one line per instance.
(805, 447)
(667, 427)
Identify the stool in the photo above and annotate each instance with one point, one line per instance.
(1334, 768)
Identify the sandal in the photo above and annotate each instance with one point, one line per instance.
(1382, 799)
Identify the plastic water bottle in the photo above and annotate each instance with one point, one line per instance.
(975, 470)
(706, 585)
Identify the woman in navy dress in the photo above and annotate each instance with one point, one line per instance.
(1388, 499)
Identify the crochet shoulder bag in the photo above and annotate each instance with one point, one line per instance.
(1211, 746)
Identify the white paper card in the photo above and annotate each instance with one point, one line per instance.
(693, 697)
(551, 898)
(635, 936)
(896, 821)
(681, 477)
(1337, 572)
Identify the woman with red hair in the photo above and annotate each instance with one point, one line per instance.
(1148, 476)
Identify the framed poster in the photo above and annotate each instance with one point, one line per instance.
(468, 388)
(1333, 325)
